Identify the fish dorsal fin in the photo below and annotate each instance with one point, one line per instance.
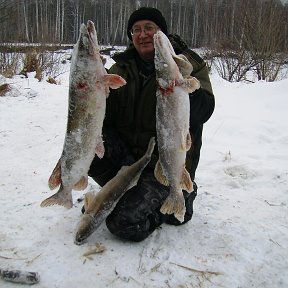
(186, 141)
(159, 175)
(185, 67)
(113, 81)
(190, 84)
(81, 184)
(55, 178)
(88, 199)
(186, 182)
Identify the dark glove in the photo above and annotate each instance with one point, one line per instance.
(178, 44)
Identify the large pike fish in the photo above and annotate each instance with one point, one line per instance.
(98, 207)
(172, 123)
(88, 90)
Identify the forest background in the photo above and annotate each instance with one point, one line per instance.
(199, 22)
(244, 32)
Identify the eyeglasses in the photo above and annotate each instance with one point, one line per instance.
(148, 29)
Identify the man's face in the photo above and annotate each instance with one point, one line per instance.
(142, 37)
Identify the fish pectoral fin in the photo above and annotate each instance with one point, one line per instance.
(114, 81)
(63, 197)
(100, 149)
(88, 199)
(190, 84)
(81, 184)
(159, 175)
(188, 142)
(55, 178)
(186, 182)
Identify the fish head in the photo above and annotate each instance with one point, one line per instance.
(169, 66)
(171, 69)
(87, 42)
(86, 58)
(165, 66)
(165, 56)
(85, 228)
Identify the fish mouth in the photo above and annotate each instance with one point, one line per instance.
(162, 44)
(90, 27)
(79, 242)
(162, 52)
(157, 40)
(81, 239)
(85, 229)
(84, 31)
(88, 37)
(85, 41)
(159, 45)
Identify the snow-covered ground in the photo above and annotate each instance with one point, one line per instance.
(238, 236)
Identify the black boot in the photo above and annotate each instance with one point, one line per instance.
(137, 215)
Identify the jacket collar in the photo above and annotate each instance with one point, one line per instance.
(126, 56)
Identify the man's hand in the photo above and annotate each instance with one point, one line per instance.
(178, 44)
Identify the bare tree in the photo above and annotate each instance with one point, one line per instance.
(256, 25)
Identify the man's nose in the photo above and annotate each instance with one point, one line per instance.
(143, 32)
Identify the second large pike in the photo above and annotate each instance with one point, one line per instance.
(172, 123)
(98, 207)
(88, 89)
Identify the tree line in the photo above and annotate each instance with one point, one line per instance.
(239, 38)
(201, 23)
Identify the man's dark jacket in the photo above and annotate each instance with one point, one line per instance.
(131, 109)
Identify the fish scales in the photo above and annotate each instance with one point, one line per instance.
(99, 206)
(89, 86)
(172, 123)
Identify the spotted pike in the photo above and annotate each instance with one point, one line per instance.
(172, 123)
(98, 207)
(88, 90)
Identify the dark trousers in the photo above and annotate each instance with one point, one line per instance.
(137, 214)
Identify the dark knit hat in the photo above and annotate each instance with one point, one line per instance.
(147, 13)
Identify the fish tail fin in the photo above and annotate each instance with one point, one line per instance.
(174, 204)
(81, 184)
(63, 198)
(114, 81)
(159, 175)
(55, 178)
(186, 182)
